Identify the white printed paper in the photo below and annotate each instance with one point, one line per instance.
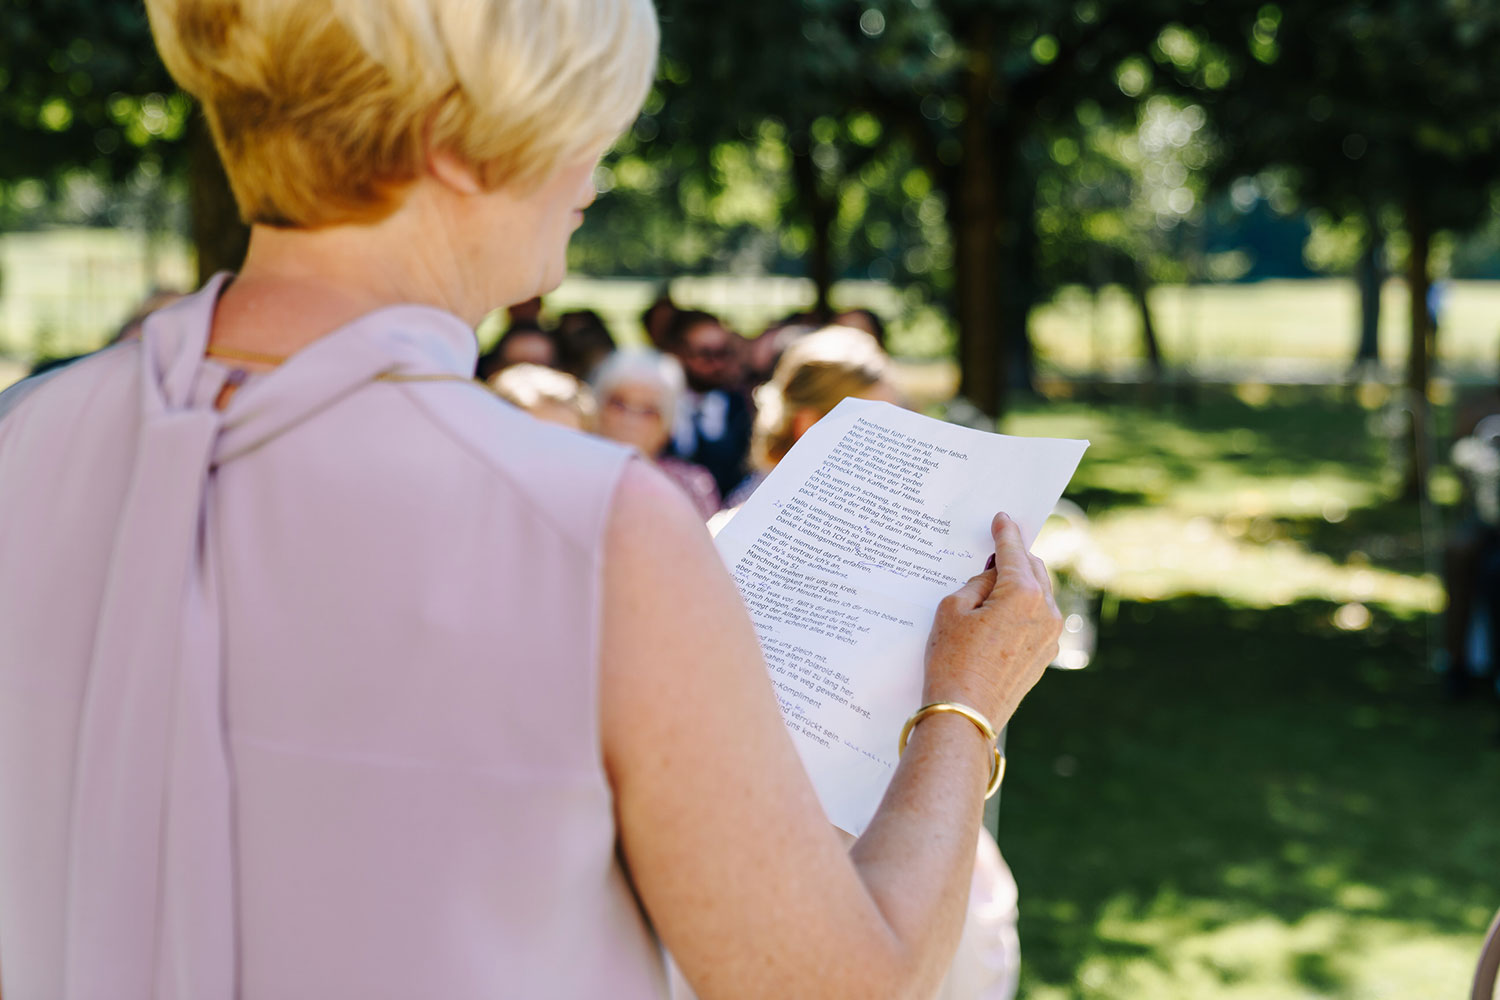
(842, 556)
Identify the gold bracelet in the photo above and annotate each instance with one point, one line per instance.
(997, 766)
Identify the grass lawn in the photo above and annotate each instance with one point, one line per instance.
(1256, 790)
(1309, 324)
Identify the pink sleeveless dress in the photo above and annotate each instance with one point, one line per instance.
(299, 699)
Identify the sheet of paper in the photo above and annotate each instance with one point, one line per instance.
(842, 556)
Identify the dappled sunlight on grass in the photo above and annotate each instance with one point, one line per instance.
(1255, 790)
(1173, 949)
(1324, 954)
(1237, 803)
(1159, 556)
(1261, 503)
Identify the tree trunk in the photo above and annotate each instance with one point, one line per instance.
(1018, 277)
(1098, 278)
(974, 217)
(218, 234)
(1140, 288)
(1369, 276)
(820, 211)
(1419, 357)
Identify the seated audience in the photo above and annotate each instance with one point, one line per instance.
(712, 426)
(547, 394)
(638, 394)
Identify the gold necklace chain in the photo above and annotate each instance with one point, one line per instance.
(436, 377)
(256, 357)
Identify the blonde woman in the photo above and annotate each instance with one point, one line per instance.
(551, 396)
(327, 674)
(816, 372)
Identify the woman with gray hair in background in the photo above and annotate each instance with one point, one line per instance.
(638, 393)
(327, 674)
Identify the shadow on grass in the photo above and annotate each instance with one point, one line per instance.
(1140, 455)
(1316, 972)
(1219, 766)
(1388, 535)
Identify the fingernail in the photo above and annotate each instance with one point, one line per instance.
(990, 563)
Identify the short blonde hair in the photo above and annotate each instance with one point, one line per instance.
(531, 387)
(817, 372)
(323, 110)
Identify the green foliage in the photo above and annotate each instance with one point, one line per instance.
(91, 119)
(81, 88)
(720, 144)
(1117, 193)
(1368, 104)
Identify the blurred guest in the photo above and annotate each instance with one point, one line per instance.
(817, 372)
(762, 353)
(712, 426)
(1472, 553)
(810, 318)
(638, 394)
(658, 318)
(547, 394)
(863, 319)
(583, 342)
(528, 313)
(524, 343)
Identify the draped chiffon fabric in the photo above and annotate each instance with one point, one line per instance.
(299, 698)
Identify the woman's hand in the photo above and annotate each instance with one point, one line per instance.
(992, 638)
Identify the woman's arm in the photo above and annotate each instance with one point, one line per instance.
(727, 844)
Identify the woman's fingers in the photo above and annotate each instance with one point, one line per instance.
(974, 592)
(1044, 580)
(1013, 567)
(992, 638)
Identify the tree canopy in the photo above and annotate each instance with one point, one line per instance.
(982, 151)
(81, 89)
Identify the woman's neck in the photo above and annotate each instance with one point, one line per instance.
(297, 285)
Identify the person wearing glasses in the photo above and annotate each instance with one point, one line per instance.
(638, 393)
(712, 426)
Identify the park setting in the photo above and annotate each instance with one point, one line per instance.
(1249, 250)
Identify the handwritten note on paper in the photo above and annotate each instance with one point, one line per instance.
(842, 556)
